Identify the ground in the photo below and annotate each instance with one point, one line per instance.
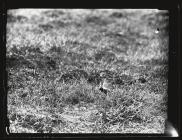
(54, 59)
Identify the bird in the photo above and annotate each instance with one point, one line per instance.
(105, 86)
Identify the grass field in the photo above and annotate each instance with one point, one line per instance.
(54, 59)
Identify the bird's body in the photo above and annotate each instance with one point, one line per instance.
(105, 86)
(103, 90)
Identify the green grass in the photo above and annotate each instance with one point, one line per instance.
(48, 46)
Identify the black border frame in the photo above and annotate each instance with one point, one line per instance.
(174, 88)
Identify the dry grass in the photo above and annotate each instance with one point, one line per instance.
(54, 58)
